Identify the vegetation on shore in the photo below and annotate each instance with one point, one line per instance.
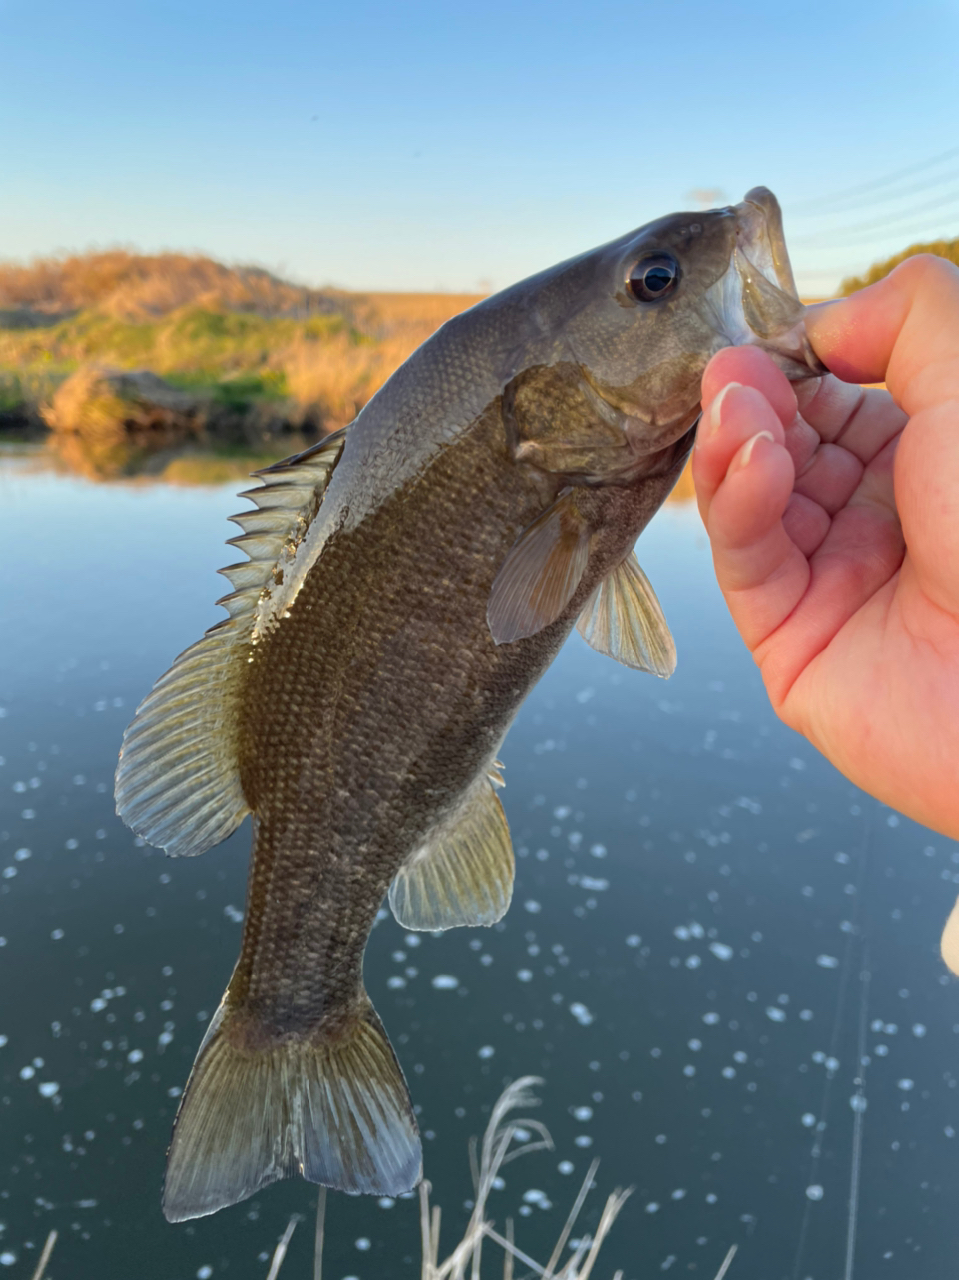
(948, 249)
(247, 359)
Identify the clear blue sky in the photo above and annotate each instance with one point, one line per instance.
(462, 146)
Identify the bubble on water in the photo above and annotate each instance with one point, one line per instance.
(858, 1102)
(97, 1004)
(583, 1113)
(633, 940)
(49, 1089)
(681, 932)
(445, 982)
(906, 1085)
(652, 1207)
(710, 1019)
(362, 1244)
(412, 940)
(827, 962)
(3, 1040)
(566, 1166)
(204, 1272)
(583, 1140)
(815, 1192)
(532, 906)
(918, 1030)
(533, 1196)
(721, 951)
(7, 1259)
(679, 1194)
(27, 1073)
(581, 1014)
(525, 975)
(395, 982)
(386, 1202)
(693, 962)
(135, 1055)
(21, 855)
(486, 1051)
(775, 1014)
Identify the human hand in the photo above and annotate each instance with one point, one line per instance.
(833, 514)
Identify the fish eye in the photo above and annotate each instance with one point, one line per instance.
(653, 277)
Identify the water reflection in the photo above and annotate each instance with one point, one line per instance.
(721, 956)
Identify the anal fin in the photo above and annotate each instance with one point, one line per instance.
(624, 620)
(333, 1109)
(463, 874)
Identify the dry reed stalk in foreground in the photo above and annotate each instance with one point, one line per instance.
(465, 1260)
(45, 1256)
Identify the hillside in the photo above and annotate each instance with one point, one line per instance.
(134, 286)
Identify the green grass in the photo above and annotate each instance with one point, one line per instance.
(234, 354)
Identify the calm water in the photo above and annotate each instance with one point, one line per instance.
(720, 956)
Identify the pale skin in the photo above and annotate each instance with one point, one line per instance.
(833, 514)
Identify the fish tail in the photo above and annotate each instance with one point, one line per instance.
(331, 1107)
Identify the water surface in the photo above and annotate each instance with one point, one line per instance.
(721, 957)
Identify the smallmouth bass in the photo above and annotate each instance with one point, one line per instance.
(408, 582)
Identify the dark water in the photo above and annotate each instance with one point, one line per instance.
(715, 944)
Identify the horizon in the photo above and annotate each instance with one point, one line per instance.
(430, 150)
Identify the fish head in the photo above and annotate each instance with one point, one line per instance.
(657, 304)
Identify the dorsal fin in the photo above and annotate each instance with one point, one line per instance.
(624, 620)
(178, 782)
(541, 572)
(463, 874)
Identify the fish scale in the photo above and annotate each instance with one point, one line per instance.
(410, 580)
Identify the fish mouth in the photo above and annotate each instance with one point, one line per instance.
(756, 302)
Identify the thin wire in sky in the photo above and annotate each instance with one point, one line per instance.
(821, 203)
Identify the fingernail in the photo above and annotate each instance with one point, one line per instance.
(715, 410)
(748, 447)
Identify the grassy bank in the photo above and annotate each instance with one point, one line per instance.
(247, 360)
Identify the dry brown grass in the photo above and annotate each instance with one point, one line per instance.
(331, 381)
(134, 285)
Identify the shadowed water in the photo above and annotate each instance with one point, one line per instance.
(721, 956)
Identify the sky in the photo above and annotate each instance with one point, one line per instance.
(445, 145)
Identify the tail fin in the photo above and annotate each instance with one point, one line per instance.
(335, 1111)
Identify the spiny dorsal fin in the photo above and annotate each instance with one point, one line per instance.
(463, 874)
(624, 620)
(178, 783)
(542, 571)
(331, 1109)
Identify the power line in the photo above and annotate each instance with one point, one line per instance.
(871, 201)
(839, 233)
(877, 183)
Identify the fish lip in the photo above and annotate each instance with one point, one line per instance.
(760, 251)
(760, 216)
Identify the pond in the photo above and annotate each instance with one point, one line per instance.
(721, 957)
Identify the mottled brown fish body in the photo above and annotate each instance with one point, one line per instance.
(348, 773)
(408, 584)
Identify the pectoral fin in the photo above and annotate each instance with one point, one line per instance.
(463, 875)
(541, 572)
(624, 620)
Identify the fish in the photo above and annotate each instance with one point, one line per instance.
(408, 581)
